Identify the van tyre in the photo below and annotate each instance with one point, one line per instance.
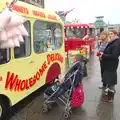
(4, 108)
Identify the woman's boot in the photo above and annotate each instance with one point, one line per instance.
(103, 86)
(109, 97)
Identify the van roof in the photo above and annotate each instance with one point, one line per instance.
(29, 10)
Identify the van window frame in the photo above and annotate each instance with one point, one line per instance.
(26, 45)
(53, 36)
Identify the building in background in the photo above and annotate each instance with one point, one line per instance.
(100, 24)
(39, 3)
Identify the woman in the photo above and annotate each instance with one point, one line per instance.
(110, 64)
(101, 47)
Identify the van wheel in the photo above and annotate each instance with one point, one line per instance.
(3, 109)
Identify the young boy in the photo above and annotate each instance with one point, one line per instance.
(54, 87)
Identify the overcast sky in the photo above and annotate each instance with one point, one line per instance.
(86, 10)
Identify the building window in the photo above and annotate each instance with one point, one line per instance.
(47, 36)
(4, 56)
(22, 0)
(25, 47)
(39, 3)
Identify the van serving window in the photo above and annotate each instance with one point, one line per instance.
(91, 31)
(47, 36)
(4, 56)
(25, 47)
(75, 32)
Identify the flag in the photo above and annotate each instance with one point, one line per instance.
(64, 13)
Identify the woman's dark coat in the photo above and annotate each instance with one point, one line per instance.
(110, 62)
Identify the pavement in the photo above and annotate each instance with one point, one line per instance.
(92, 109)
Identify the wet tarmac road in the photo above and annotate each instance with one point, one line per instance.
(92, 109)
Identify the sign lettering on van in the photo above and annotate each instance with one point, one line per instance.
(25, 10)
(19, 9)
(38, 14)
(1, 78)
(52, 17)
(14, 83)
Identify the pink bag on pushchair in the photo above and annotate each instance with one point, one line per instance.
(77, 97)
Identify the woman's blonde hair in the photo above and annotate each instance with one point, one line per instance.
(104, 33)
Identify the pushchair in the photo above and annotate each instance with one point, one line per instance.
(69, 94)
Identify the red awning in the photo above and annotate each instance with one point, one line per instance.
(79, 26)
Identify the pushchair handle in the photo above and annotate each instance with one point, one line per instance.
(75, 66)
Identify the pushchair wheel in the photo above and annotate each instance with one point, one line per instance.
(67, 114)
(45, 108)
